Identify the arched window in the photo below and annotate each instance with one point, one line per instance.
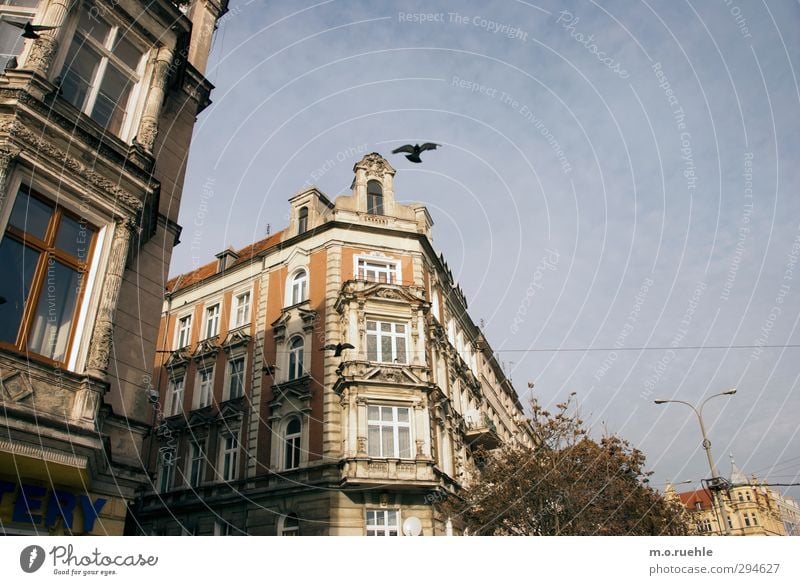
(374, 198)
(299, 287)
(296, 358)
(291, 525)
(302, 220)
(291, 457)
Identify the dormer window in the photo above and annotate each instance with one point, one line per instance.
(302, 220)
(374, 198)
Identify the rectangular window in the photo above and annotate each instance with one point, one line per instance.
(167, 472)
(386, 342)
(175, 394)
(101, 71)
(221, 528)
(11, 41)
(389, 431)
(377, 271)
(184, 331)
(197, 459)
(241, 309)
(212, 321)
(236, 381)
(383, 523)
(230, 457)
(205, 386)
(44, 258)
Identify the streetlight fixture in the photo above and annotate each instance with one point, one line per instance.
(715, 483)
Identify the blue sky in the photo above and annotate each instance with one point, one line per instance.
(613, 175)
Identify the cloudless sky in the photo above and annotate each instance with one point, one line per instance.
(612, 176)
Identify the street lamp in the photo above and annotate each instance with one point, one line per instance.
(715, 478)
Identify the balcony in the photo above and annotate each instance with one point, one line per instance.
(481, 432)
(397, 472)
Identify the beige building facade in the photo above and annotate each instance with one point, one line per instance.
(96, 115)
(265, 426)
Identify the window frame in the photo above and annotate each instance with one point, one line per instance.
(386, 528)
(292, 445)
(378, 333)
(143, 71)
(17, 13)
(395, 424)
(392, 268)
(298, 288)
(171, 393)
(295, 358)
(188, 317)
(231, 472)
(200, 392)
(375, 200)
(229, 378)
(302, 220)
(208, 318)
(166, 471)
(236, 308)
(290, 530)
(48, 252)
(195, 462)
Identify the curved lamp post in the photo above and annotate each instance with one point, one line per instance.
(715, 478)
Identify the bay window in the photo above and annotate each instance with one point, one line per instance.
(44, 259)
(386, 342)
(389, 431)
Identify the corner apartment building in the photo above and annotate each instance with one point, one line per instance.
(264, 428)
(97, 104)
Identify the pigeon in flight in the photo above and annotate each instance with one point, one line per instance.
(29, 30)
(415, 151)
(338, 348)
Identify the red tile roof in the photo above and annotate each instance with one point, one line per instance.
(187, 279)
(690, 499)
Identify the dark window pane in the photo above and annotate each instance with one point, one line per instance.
(109, 109)
(94, 26)
(17, 263)
(79, 71)
(74, 237)
(127, 52)
(56, 309)
(30, 215)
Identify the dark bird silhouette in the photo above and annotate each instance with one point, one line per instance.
(415, 151)
(29, 30)
(338, 348)
(11, 63)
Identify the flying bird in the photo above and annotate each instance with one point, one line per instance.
(11, 64)
(29, 30)
(338, 348)
(415, 151)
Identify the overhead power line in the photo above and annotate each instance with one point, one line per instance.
(649, 348)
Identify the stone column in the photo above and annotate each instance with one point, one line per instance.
(43, 51)
(361, 425)
(8, 153)
(148, 128)
(103, 333)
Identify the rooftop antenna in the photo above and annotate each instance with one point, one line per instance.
(269, 227)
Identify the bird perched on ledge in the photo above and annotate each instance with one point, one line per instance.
(415, 151)
(338, 348)
(29, 30)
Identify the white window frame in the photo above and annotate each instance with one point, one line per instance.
(289, 530)
(229, 456)
(385, 529)
(292, 445)
(166, 471)
(179, 330)
(212, 314)
(299, 287)
(229, 376)
(17, 14)
(143, 71)
(195, 462)
(176, 393)
(381, 265)
(236, 309)
(204, 389)
(298, 371)
(395, 425)
(393, 334)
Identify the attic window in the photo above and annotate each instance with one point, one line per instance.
(225, 259)
(374, 198)
(302, 220)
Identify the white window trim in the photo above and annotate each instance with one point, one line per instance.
(190, 459)
(235, 309)
(303, 370)
(378, 258)
(385, 528)
(299, 437)
(229, 374)
(223, 450)
(392, 334)
(291, 286)
(178, 318)
(282, 525)
(170, 392)
(395, 425)
(144, 71)
(208, 306)
(197, 401)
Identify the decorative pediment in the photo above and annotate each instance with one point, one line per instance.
(231, 409)
(392, 375)
(375, 165)
(200, 417)
(176, 360)
(279, 326)
(309, 317)
(236, 338)
(299, 388)
(209, 347)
